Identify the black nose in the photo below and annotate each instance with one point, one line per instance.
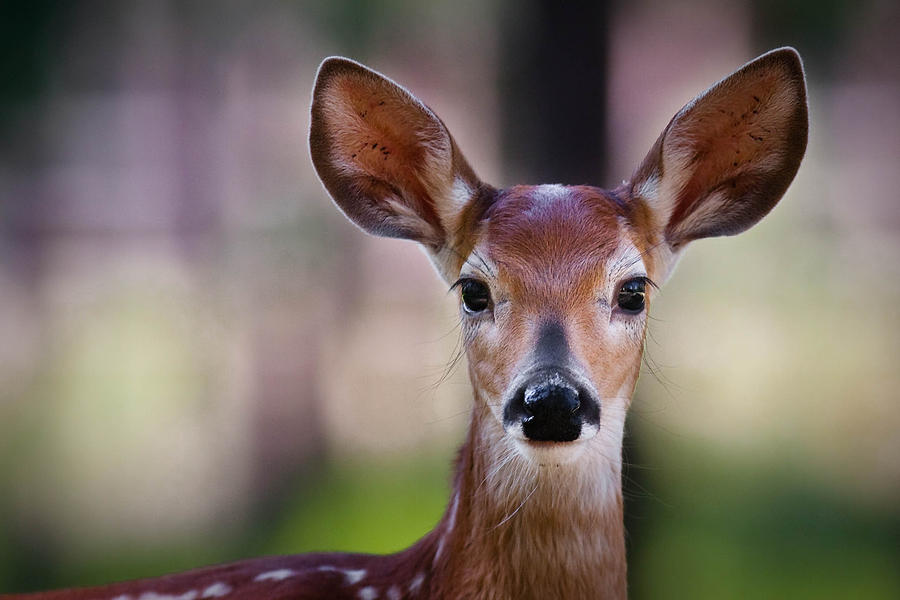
(550, 408)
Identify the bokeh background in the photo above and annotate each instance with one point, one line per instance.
(201, 361)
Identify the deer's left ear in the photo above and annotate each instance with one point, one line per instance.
(727, 157)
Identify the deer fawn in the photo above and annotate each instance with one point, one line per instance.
(555, 284)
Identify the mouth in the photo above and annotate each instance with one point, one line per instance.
(549, 454)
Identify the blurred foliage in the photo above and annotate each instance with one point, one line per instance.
(725, 525)
(362, 507)
(372, 507)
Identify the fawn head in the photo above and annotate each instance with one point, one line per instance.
(554, 281)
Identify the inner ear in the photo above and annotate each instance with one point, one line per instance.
(384, 156)
(744, 141)
(390, 147)
(390, 164)
(727, 157)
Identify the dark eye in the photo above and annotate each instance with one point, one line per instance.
(631, 295)
(475, 295)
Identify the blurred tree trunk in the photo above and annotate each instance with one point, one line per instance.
(554, 117)
(553, 91)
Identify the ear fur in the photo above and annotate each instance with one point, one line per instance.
(389, 162)
(728, 156)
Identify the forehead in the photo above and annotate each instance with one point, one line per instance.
(558, 231)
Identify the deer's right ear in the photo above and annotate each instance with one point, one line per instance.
(390, 164)
(728, 156)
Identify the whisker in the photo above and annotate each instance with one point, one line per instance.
(518, 508)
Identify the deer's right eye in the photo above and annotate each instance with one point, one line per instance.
(632, 295)
(476, 296)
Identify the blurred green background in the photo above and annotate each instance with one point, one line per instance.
(201, 361)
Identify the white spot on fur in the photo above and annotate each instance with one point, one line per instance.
(367, 593)
(542, 195)
(354, 576)
(276, 575)
(417, 582)
(122, 597)
(451, 522)
(394, 593)
(648, 189)
(216, 590)
(550, 191)
(460, 194)
(189, 595)
(440, 548)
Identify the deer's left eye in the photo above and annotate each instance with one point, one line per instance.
(475, 295)
(632, 295)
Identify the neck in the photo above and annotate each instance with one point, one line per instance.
(516, 529)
